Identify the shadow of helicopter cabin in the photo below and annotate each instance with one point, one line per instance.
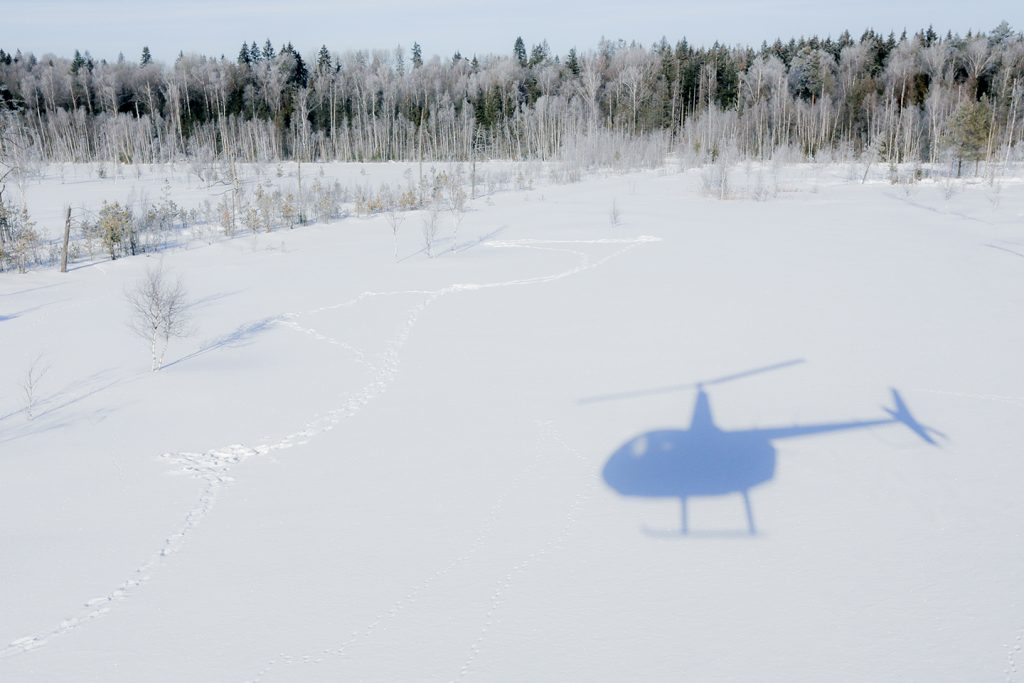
(706, 460)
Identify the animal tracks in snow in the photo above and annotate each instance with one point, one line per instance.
(553, 544)
(569, 466)
(1013, 651)
(214, 466)
(380, 622)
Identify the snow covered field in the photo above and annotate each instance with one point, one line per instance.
(362, 469)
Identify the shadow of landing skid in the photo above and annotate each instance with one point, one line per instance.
(705, 460)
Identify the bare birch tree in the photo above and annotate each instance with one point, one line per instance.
(395, 219)
(159, 311)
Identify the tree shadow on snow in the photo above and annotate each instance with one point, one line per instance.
(466, 246)
(25, 311)
(50, 413)
(33, 289)
(240, 336)
(444, 245)
(202, 302)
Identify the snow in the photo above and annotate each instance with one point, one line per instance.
(357, 469)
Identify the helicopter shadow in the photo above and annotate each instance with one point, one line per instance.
(705, 460)
(701, 461)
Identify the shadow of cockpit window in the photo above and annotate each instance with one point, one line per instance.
(705, 460)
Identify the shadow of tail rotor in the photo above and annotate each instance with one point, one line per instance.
(901, 413)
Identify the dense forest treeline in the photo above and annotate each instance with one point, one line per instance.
(919, 97)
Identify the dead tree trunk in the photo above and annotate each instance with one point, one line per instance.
(67, 238)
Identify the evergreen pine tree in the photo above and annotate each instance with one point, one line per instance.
(243, 54)
(417, 56)
(147, 58)
(77, 63)
(539, 54)
(268, 51)
(519, 51)
(1001, 34)
(323, 59)
(969, 133)
(300, 74)
(572, 62)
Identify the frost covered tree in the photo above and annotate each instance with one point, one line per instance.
(117, 229)
(19, 238)
(811, 74)
(812, 94)
(159, 312)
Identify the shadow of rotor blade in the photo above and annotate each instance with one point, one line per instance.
(684, 387)
(755, 371)
(634, 394)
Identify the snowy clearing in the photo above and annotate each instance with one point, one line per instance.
(363, 468)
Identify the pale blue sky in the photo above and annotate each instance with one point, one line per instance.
(106, 27)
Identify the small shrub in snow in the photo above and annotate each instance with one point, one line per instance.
(949, 188)
(457, 205)
(994, 195)
(714, 180)
(430, 230)
(30, 385)
(289, 211)
(117, 230)
(19, 239)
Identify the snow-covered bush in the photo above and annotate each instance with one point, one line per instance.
(117, 230)
(19, 239)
